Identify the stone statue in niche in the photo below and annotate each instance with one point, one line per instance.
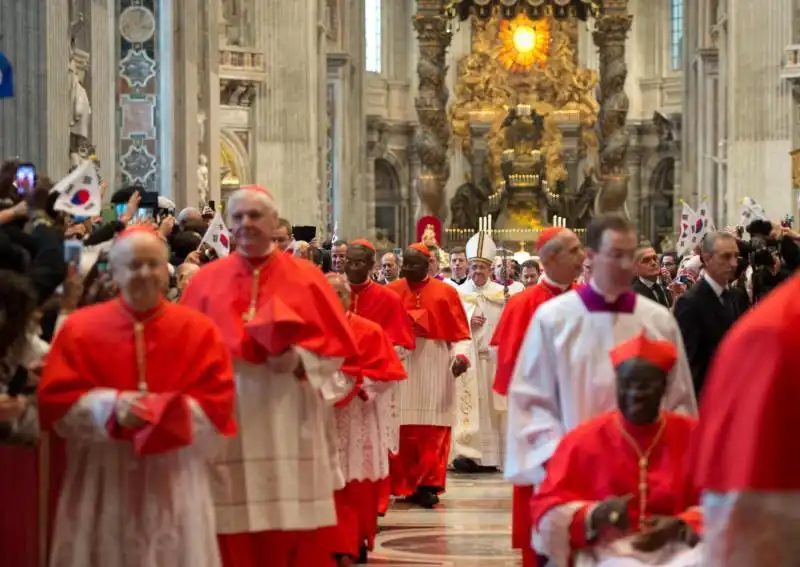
(203, 190)
(80, 108)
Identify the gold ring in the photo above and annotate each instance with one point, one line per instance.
(613, 517)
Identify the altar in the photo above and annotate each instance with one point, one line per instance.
(541, 136)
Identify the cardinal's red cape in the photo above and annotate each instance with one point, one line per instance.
(512, 327)
(295, 306)
(749, 405)
(382, 306)
(376, 358)
(595, 461)
(435, 309)
(185, 358)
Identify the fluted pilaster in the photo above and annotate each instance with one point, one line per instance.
(760, 106)
(186, 69)
(103, 87)
(288, 143)
(209, 102)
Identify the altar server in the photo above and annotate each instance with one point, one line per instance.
(288, 335)
(426, 399)
(562, 257)
(745, 457)
(478, 433)
(564, 375)
(139, 388)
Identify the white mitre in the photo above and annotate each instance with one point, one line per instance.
(481, 247)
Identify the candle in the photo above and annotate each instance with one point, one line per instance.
(489, 220)
(555, 218)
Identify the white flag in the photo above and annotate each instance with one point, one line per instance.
(80, 193)
(688, 224)
(706, 223)
(217, 236)
(751, 211)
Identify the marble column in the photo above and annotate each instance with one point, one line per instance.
(610, 34)
(34, 125)
(433, 135)
(186, 45)
(289, 109)
(346, 83)
(209, 142)
(103, 93)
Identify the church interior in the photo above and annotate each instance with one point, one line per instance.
(362, 116)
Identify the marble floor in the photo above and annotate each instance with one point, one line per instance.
(471, 527)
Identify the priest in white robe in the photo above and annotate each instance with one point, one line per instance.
(478, 433)
(563, 376)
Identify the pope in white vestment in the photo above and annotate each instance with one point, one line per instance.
(564, 375)
(479, 421)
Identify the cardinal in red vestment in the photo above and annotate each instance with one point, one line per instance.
(744, 455)
(562, 258)
(288, 335)
(427, 398)
(617, 486)
(382, 306)
(362, 455)
(138, 388)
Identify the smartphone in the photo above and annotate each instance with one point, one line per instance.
(683, 279)
(25, 179)
(142, 213)
(73, 249)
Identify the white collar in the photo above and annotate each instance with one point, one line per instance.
(718, 289)
(549, 281)
(647, 282)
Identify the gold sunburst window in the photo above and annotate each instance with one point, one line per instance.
(524, 42)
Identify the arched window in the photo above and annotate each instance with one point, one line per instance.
(676, 34)
(372, 29)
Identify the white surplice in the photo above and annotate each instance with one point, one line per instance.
(564, 375)
(117, 509)
(279, 472)
(478, 433)
(427, 397)
(362, 453)
(387, 406)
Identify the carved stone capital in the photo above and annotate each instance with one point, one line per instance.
(612, 28)
(432, 28)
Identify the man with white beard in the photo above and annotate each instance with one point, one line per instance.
(479, 423)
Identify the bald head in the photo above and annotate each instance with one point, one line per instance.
(562, 257)
(139, 266)
(341, 287)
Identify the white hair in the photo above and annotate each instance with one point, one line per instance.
(123, 244)
(186, 213)
(262, 197)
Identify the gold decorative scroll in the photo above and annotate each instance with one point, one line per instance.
(795, 155)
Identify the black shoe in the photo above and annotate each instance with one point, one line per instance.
(465, 466)
(424, 499)
(362, 554)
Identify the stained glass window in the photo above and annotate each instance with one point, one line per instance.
(676, 34)
(372, 28)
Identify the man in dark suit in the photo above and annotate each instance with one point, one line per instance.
(647, 275)
(709, 308)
